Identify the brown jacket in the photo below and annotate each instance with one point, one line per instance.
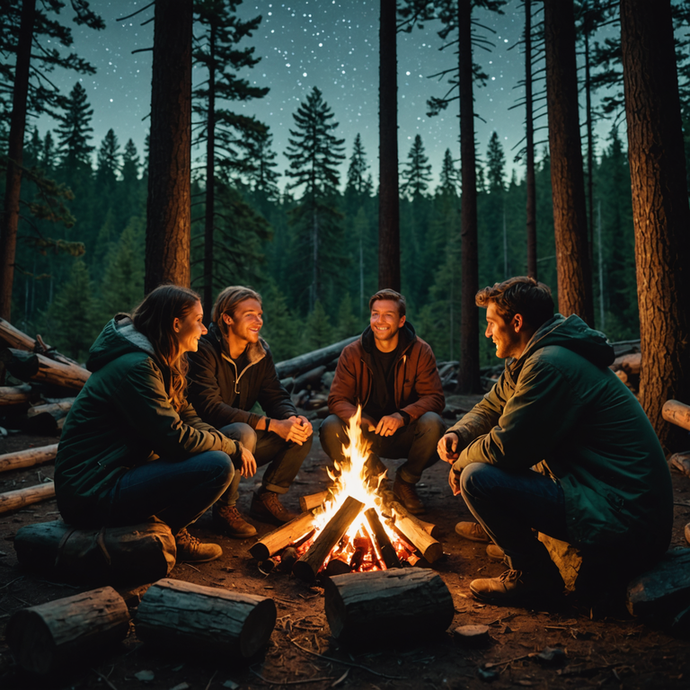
(417, 383)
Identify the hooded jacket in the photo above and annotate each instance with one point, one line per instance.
(561, 404)
(122, 418)
(222, 395)
(417, 385)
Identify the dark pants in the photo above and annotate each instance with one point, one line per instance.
(416, 441)
(176, 492)
(285, 458)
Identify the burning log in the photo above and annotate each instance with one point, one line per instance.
(13, 500)
(386, 549)
(413, 530)
(677, 413)
(28, 458)
(312, 501)
(50, 636)
(289, 533)
(380, 605)
(187, 617)
(30, 366)
(310, 563)
(15, 395)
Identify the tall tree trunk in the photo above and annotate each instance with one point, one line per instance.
(468, 378)
(660, 205)
(168, 210)
(210, 178)
(315, 291)
(567, 177)
(8, 245)
(389, 201)
(529, 147)
(590, 137)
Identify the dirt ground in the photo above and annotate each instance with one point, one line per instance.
(614, 650)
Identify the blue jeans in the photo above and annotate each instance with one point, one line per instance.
(416, 441)
(285, 458)
(510, 504)
(176, 492)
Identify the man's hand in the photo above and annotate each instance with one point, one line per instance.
(295, 429)
(447, 447)
(389, 424)
(248, 463)
(454, 481)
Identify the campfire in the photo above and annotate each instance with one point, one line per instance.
(357, 527)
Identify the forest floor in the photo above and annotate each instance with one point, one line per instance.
(612, 650)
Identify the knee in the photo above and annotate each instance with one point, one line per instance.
(221, 465)
(473, 480)
(241, 432)
(432, 424)
(330, 433)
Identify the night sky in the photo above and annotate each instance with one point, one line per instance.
(330, 44)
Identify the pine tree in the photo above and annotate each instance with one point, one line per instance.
(261, 175)
(108, 163)
(450, 178)
(281, 328)
(417, 173)
(348, 323)
(357, 180)
(318, 331)
(75, 132)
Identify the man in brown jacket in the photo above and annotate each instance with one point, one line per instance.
(392, 374)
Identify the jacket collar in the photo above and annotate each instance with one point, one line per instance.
(255, 351)
(407, 336)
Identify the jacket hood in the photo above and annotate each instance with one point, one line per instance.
(119, 337)
(406, 334)
(575, 335)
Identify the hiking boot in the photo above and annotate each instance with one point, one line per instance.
(191, 550)
(472, 531)
(228, 520)
(407, 495)
(267, 507)
(495, 552)
(517, 586)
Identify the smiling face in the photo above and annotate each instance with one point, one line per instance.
(244, 325)
(506, 335)
(385, 323)
(189, 329)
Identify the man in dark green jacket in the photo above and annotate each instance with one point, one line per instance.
(601, 481)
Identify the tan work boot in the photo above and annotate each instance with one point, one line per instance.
(267, 507)
(229, 521)
(472, 531)
(495, 552)
(407, 495)
(519, 587)
(191, 550)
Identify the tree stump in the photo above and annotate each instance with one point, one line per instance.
(191, 617)
(49, 637)
(387, 605)
(131, 554)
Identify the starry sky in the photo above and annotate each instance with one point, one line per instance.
(330, 44)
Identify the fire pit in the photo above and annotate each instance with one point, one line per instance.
(359, 526)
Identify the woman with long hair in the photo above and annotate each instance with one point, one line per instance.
(132, 446)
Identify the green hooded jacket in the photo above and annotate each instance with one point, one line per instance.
(122, 418)
(561, 404)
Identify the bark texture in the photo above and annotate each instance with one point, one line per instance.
(530, 178)
(660, 206)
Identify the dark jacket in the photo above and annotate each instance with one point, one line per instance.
(222, 395)
(122, 418)
(561, 404)
(417, 386)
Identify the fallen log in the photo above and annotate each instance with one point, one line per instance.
(52, 636)
(387, 605)
(309, 379)
(28, 366)
(13, 500)
(310, 360)
(664, 590)
(310, 563)
(632, 363)
(56, 410)
(129, 554)
(680, 462)
(28, 458)
(47, 419)
(383, 542)
(677, 413)
(312, 501)
(195, 618)
(289, 533)
(15, 395)
(13, 337)
(413, 530)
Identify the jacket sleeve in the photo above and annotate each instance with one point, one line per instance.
(342, 400)
(273, 398)
(144, 404)
(534, 421)
(204, 390)
(427, 386)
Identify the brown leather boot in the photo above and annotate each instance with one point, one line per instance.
(407, 495)
(472, 531)
(267, 507)
(191, 550)
(515, 587)
(229, 521)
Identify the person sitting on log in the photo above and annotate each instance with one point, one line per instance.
(232, 371)
(132, 446)
(559, 445)
(392, 374)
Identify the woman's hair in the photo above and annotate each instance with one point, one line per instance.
(154, 318)
(520, 295)
(227, 302)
